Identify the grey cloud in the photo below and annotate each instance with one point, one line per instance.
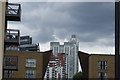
(89, 21)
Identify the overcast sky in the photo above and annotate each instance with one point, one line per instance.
(92, 22)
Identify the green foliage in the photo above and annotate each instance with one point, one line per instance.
(78, 76)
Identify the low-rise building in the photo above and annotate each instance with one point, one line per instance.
(101, 66)
(22, 64)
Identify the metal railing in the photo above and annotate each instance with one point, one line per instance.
(12, 36)
(13, 12)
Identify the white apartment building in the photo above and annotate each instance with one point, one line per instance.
(56, 68)
(70, 49)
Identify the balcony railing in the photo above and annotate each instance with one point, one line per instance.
(12, 36)
(10, 63)
(29, 47)
(13, 12)
(12, 48)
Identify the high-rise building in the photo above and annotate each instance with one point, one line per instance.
(56, 67)
(70, 49)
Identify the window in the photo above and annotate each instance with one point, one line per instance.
(102, 75)
(56, 50)
(7, 74)
(30, 74)
(11, 62)
(31, 63)
(67, 50)
(102, 65)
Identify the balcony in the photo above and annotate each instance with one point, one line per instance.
(29, 47)
(12, 36)
(10, 63)
(13, 12)
(11, 48)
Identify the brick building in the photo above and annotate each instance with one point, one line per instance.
(22, 64)
(97, 65)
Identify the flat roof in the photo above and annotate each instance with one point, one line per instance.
(97, 54)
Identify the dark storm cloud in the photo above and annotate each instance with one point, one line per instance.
(95, 21)
(89, 21)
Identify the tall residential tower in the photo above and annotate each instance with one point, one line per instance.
(70, 49)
